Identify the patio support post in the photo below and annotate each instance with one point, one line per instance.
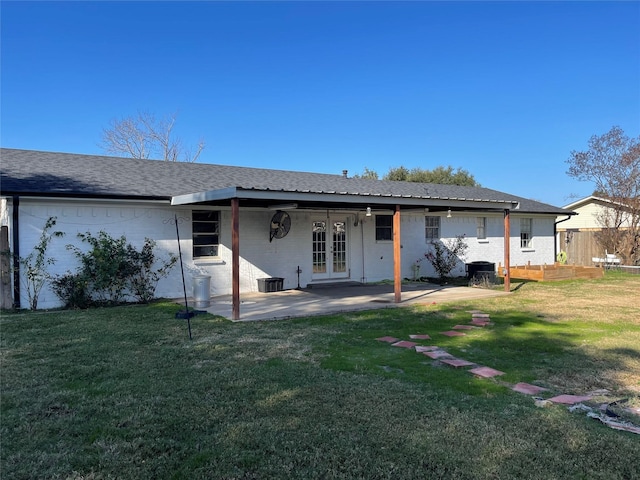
(235, 259)
(507, 251)
(397, 258)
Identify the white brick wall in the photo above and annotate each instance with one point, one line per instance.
(368, 260)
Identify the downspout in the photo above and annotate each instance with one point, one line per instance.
(555, 233)
(15, 240)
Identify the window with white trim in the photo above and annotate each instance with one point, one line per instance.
(384, 227)
(205, 226)
(431, 228)
(481, 228)
(526, 233)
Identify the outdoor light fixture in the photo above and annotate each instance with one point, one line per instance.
(368, 211)
(449, 213)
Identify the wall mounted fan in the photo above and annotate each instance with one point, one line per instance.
(280, 225)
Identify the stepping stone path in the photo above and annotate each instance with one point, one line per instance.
(478, 319)
(453, 333)
(404, 344)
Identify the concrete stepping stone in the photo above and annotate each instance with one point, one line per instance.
(527, 388)
(453, 333)
(478, 322)
(437, 354)
(388, 339)
(420, 337)
(404, 344)
(457, 362)
(480, 315)
(486, 372)
(569, 399)
(426, 348)
(463, 327)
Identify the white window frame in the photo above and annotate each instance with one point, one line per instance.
(526, 233)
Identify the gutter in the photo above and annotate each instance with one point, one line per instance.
(555, 233)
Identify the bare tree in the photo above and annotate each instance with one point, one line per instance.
(612, 163)
(144, 136)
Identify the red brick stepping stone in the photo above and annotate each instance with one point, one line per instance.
(453, 333)
(426, 348)
(569, 399)
(388, 339)
(420, 337)
(456, 362)
(479, 322)
(479, 315)
(436, 354)
(527, 388)
(404, 344)
(463, 327)
(486, 372)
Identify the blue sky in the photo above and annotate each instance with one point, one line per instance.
(504, 90)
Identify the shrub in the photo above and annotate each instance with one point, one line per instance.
(34, 266)
(111, 270)
(446, 255)
(71, 288)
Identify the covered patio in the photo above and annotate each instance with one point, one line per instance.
(333, 299)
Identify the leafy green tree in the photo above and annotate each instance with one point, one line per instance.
(440, 175)
(367, 174)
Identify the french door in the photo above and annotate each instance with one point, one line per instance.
(330, 259)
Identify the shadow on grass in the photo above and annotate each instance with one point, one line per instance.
(524, 345)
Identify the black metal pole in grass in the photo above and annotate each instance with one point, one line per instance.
(184, 285)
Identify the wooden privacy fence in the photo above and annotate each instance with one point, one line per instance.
(581, 247)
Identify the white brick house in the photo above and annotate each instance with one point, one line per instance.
(341, 229)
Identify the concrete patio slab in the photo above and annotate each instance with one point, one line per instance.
(338, 298)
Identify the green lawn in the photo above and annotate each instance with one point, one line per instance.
(124, 393)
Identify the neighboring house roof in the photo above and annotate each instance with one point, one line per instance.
(593, 199)
(591, 210)
(37, 173)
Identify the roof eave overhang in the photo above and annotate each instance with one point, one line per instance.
(349, 199)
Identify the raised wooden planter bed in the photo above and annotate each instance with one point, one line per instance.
(550, 273)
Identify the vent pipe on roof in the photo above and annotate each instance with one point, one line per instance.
(345, 173)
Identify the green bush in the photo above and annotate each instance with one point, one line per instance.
(71, 288)
(110, 271)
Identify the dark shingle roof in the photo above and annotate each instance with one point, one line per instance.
(28, 172)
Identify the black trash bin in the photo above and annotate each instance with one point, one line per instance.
(266, 285)
(481, 269)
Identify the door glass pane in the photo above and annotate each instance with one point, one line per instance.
(339, 247)
(319, 249)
